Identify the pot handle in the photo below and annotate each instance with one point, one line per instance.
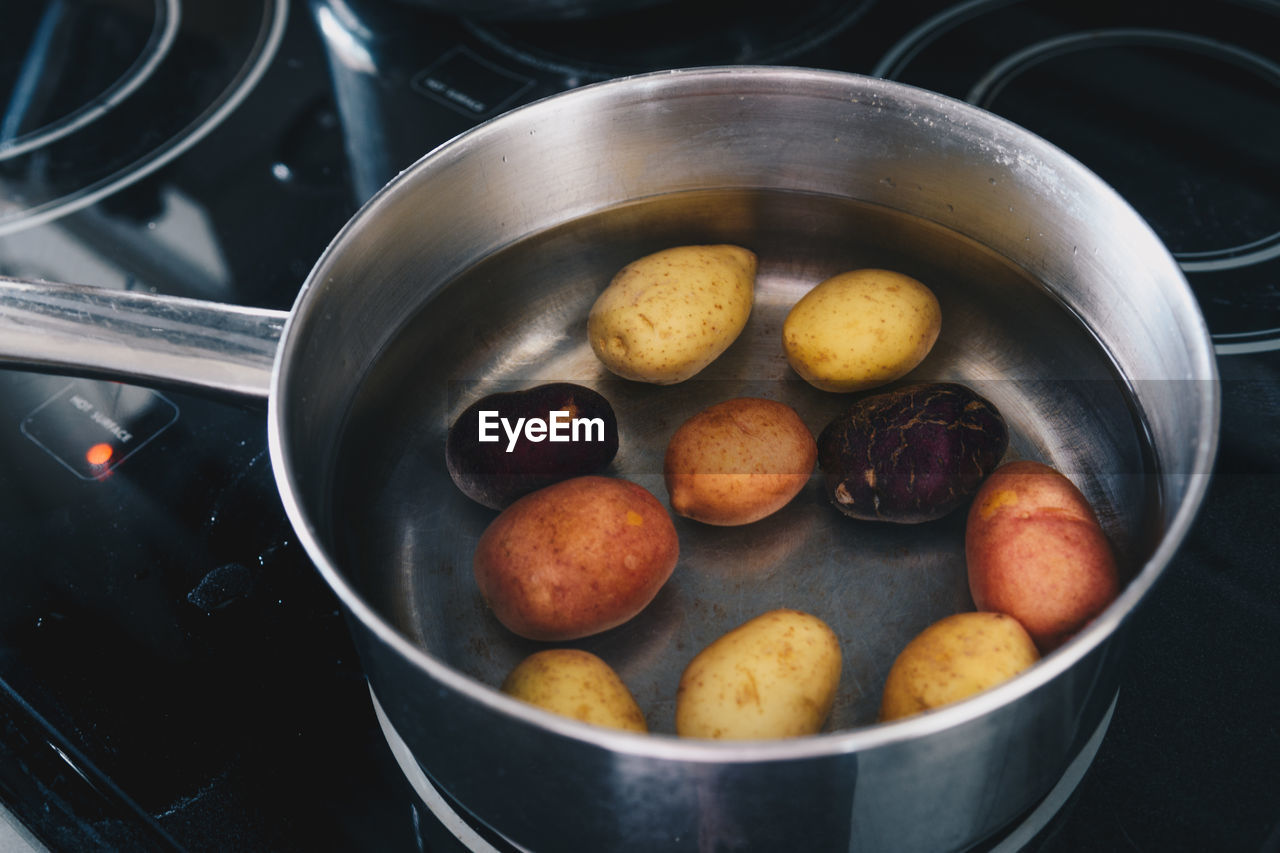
(149, 338)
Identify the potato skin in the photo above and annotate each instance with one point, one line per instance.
(491, 475)
(575, 558)
(861, 329)
(738, 461)
(1034, 550)
(911, 455)
(774, 676)
(954, 658)
(668, 315)
(577, 684)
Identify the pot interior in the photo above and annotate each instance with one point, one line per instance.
(404, 534)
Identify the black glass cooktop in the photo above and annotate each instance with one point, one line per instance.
(173, 673)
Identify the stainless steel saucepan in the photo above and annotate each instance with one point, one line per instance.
(473, 272)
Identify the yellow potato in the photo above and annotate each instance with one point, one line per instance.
(953, 659)
(668, 315)
(738, 461)
(772, 677)
(861, 329)
(577, 684)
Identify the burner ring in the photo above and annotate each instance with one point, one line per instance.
(892, 64)
(1242, 343)
(103, 140)
(1175, 109)
(601, 48)
(984, 92)
(1244, 255)
(168, 17)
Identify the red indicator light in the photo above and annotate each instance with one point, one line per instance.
(99, 454)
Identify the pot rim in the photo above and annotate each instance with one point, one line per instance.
(668, 746)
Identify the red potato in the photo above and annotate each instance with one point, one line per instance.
(575, 558)
(1035, 551)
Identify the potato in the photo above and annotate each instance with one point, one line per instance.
(577, 684)
(953, 659)
(511, 443)
(668, 315)
(575, 558)
(1034, 550)
(738, 461)
(772, 677)
(861, 329)
(910, 455)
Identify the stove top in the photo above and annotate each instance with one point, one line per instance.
(173, 673)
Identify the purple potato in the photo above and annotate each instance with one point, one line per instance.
(509, 444)
(911, 455)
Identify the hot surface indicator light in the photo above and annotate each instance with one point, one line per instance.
(99, 454)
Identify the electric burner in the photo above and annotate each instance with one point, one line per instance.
(101, 94)
(1175, 105)
(673, 35)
